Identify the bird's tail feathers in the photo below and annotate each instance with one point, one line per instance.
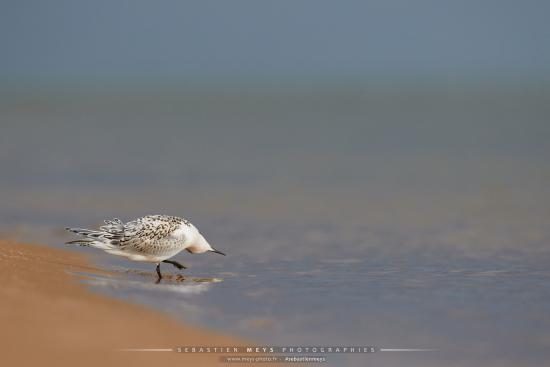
(79, 242)
(97, 239)
(113, 226)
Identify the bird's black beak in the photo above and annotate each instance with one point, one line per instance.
(218, 252)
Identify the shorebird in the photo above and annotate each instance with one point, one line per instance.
(153, 238)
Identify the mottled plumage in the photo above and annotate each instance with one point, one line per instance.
(154, 238)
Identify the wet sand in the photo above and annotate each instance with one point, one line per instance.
(49, 318)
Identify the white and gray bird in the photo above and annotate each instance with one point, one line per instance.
(153, 238)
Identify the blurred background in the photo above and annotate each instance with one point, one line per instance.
(396, 147)
(368, 113)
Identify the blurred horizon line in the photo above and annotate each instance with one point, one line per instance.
(271, 84)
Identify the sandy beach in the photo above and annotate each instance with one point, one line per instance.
(49, 318)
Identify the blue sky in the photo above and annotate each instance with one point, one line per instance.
(202, 40)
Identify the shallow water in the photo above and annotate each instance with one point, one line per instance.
(347, 220)
(465, 309)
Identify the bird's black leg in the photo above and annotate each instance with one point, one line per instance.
(158, 273)
(175, 263)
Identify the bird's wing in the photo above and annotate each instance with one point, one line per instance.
(150, 231)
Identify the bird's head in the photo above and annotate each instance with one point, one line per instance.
(200, 245)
